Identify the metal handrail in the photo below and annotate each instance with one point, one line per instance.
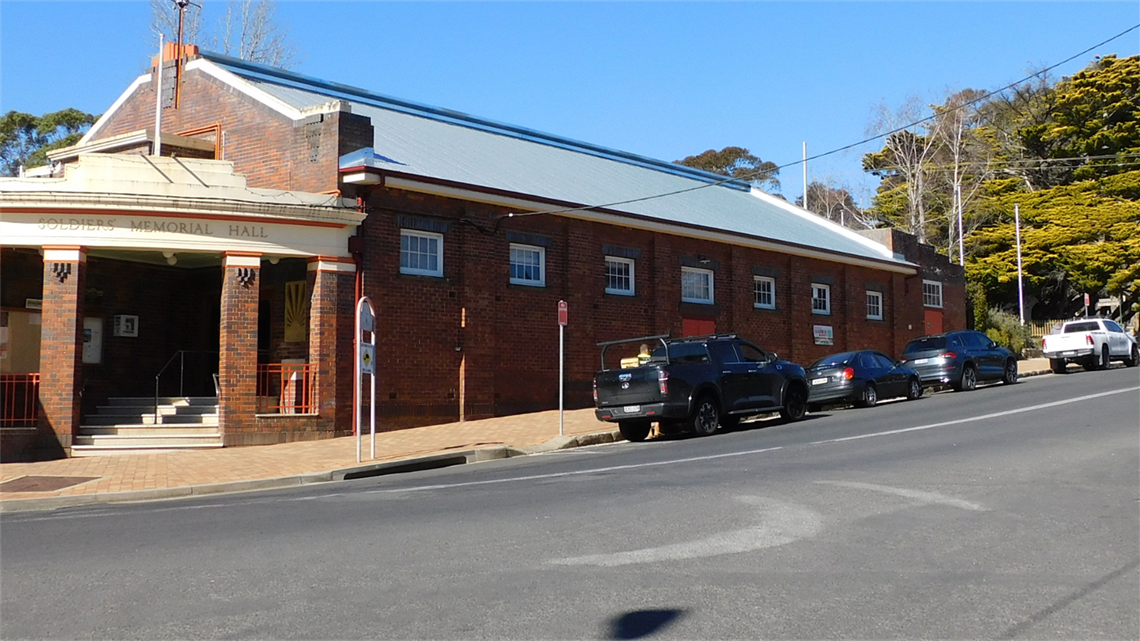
(181, 356)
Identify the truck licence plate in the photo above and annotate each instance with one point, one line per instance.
(1068, 353)
(818, 381)
(630, 409)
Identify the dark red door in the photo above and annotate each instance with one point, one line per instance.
(697, 326)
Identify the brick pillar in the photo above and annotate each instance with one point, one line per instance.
(331, 325)
(237, 349)
(61, 349)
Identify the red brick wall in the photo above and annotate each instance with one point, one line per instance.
(331, 326)
(507, 335)
(61, 345)
(237, 357)
(270, 149)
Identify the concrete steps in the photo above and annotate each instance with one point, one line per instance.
(129, 426)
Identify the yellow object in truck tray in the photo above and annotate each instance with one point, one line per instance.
(627, 363)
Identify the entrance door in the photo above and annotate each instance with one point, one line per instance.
(697, 327)
(933, 321)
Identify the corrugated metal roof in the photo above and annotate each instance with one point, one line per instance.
(450, 146)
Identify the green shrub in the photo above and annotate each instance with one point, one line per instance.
(1006, 330)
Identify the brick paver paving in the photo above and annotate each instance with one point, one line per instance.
(122, 473)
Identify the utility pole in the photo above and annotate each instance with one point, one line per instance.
(1017, 234)
(805, 175)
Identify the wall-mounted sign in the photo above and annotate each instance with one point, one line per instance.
(92, 340)
(823, 334)
(126, 326)
(33, 303)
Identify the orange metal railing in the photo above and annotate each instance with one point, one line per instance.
(19, 399)
(285, 388)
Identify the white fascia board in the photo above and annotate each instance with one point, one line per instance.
(890, 264)
(262, 96)
(816, 219)
(140, 81)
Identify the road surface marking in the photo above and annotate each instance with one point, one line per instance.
(923, 497)
(553, 475)
(971, 419)
(782, 523)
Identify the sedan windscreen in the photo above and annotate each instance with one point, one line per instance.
(925, 344)
(834, 360)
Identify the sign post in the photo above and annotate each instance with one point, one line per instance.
(563, 313)
(365, 364)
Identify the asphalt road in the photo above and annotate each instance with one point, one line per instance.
(1007, 513)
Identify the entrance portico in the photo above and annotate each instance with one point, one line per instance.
(145, 260)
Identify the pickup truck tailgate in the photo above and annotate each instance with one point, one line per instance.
(627, 386)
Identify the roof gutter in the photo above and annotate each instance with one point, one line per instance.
(635, 221)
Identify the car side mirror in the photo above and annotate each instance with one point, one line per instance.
(773, 357)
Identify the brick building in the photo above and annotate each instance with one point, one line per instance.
(464, 233)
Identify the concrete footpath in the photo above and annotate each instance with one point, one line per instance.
(142, 477)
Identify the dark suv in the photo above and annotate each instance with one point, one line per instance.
(960, 360)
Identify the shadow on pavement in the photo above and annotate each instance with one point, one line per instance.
(642, 623)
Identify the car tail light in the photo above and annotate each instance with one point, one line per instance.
(848, 374)
(947, 355)
(663, 382)
(1088, 340)
(1042, 342)
(595, 391)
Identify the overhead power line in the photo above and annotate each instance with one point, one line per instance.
(756, 173)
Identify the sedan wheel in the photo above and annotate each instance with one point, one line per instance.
(870, 396)
(913, 390)
(1009, 377)
(706, 418)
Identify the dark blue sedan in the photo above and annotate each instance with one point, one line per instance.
(862, 378)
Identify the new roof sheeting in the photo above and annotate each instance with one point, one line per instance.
(447, 146)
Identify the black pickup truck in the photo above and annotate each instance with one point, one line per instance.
(697, 384)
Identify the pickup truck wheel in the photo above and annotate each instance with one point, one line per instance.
(1058, 365)
(870, 396)
(795, 404)
(706, 417)
(913, 390)
(1009, 376)
(1133, 358)
(968, 381)
(1103, 364)
(634, 431)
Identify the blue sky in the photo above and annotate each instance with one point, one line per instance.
(665, 80)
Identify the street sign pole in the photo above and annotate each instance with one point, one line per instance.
(562, 318)
(365, 364)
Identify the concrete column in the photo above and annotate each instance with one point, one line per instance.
(331, 326)
(61, 350)
(237, 349)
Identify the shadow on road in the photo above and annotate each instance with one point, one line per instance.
(642, 623)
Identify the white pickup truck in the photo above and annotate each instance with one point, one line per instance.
(1092, 342)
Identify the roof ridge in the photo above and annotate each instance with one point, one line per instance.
(317, 85)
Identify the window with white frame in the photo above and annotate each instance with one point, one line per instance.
(421, 253)
(764, 289)
(931, 293)
(820, 298)
(619, 276)
(696, 285)
(528, 265)
(875, 305)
